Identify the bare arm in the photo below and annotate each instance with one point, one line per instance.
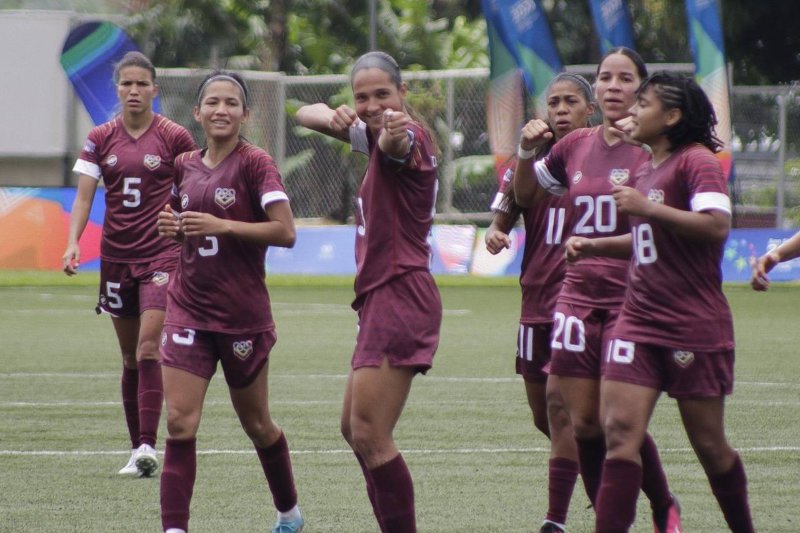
(577, 248)
(786, 251)
(394, 140)
(332, 122)
(279, 230)
(527, 190)
(81, 208)
(710, 226)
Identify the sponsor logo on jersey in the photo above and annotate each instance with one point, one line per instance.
(185, 201)
(111, 160)
(683, 358)
(152, 161)
(89, 146)
(618, 176)
(656, 195)
(224, 197)
(160, 278)
(243, 349)
(577, 177)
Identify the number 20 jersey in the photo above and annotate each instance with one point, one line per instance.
(586, 167)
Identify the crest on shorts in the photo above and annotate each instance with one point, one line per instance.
(683, 358)
(618, 176)
(656, 195)
(224, 197)
(111, 160)
(577, 177)
(163, 338)
(152, 161)
(243, 349)
(184, 201)
(160, 278)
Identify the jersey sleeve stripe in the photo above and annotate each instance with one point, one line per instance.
(546, 179)
(90, 169)
(707, 201)
(273, 196)
(497, 202)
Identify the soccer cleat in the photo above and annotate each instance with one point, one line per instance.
(146, 461)
(670, 520)
(130, 468)
(291, 526)
(550, 527)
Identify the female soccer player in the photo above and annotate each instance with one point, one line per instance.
(675, 330)
(134, 155)
(587, 164)
(569, 106)
(398, 304)
(786, 251)
(228, 206)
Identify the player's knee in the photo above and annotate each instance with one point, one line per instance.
(147, 349)
(714, 454)
(182, 424)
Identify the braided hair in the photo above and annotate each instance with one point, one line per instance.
(697, 114)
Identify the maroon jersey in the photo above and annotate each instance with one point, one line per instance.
(137, 175)
(675, 294)
(543, 262)
(586, 166)
(395, 208)
(219, 284)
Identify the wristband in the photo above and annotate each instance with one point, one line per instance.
(525, 154)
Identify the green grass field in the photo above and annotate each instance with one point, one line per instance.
(467, 435)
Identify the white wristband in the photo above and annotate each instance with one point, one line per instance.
(525, 154)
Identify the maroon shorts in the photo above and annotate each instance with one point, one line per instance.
(533, 351)
(579, 335)
(680, 373)
(242, 355)
(128, 289)
(399, 320)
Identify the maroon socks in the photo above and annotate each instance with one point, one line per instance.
(615, 507)
(730, 489)
(177, 482)
(277, 467)
(562, 474)
(130, 402)
(151, 397)
(394, 497)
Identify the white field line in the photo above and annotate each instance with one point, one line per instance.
(450, 451)
(454, 379)
(411, 402)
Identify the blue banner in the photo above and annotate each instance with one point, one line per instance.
(708, 50)
(523, 28)
(612, 22)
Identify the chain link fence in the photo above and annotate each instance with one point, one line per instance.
(322, 176)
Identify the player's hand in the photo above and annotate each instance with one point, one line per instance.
(71, 259)
(577, 248)
(169, 224)
(196, 224)
(622, 129)
(343, 118)
(395, 124)
(534, 134)
(759, 280)
(497, 241)
(630, 201)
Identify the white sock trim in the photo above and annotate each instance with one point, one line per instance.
(291, 514)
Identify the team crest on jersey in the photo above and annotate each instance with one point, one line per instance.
(224, 197)
(656, 195)
(184, 201)
(618, 176)
(160, 278)
(89, 146)
(111, 160)
(683, 358)
(577, 177)
(243, 349)
(152, 161)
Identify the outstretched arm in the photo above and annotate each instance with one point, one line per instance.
(577, 248)
(786, 251)
(333, 122)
